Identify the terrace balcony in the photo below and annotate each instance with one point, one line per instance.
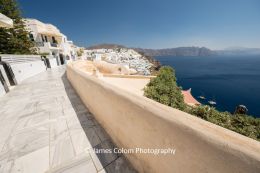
(48, 45)
(53, 122)
(54, 44)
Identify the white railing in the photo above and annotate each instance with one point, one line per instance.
(39, 44)
(14, 59)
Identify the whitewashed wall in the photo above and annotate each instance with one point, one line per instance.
(25, 70)
(23, 66)
(53, 62)
(2, 90)
(19, 58)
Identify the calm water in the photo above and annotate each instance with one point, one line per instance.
(229, 81)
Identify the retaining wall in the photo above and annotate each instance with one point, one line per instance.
(136, 122)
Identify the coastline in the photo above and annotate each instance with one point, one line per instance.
(221, 79)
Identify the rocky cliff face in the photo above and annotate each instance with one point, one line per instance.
(180, 51)
(105, 46)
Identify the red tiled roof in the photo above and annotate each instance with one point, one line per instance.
(188, 98)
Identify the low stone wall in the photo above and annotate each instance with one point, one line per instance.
(136, 122)
(109, 68)
(128, 76)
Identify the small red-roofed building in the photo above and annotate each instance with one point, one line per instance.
(189, 99)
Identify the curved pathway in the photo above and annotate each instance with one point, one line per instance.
(45, 128)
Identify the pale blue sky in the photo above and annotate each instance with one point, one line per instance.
(215, 24)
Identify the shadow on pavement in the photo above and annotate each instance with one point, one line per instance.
(97, 136)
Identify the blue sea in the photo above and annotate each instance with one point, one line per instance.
(229, 81)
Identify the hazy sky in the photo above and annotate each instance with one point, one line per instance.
(215, 24)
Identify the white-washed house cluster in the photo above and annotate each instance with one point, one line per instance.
(123, 56)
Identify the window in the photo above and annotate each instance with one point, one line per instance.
(53, 40)
(42, 38)
(31, 37)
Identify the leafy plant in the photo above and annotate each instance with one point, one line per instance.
(80, 52)
(14, 40)
(164, 89)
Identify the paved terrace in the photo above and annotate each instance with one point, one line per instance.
(44, 127)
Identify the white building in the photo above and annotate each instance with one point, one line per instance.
(122, 56)
(73, 50)
(49, 40)
(5, 21)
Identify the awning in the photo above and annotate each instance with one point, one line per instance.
(48, 29)
(50, 33)
(5, 21)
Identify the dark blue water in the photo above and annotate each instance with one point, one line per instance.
(229, 81)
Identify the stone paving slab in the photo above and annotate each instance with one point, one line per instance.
(45, 128)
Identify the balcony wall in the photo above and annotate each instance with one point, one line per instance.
(137, 122)
(47, 47)
(24, 66)
(25, 70)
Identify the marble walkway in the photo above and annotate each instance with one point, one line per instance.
(45, 128)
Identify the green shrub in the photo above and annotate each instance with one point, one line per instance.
(164, 89)
(14, 40)
(212, 115)
(246, 125)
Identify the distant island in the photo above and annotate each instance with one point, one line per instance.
(234, 51)
(179, 51)
(105, 46)
(199, 51)
(185, 51)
